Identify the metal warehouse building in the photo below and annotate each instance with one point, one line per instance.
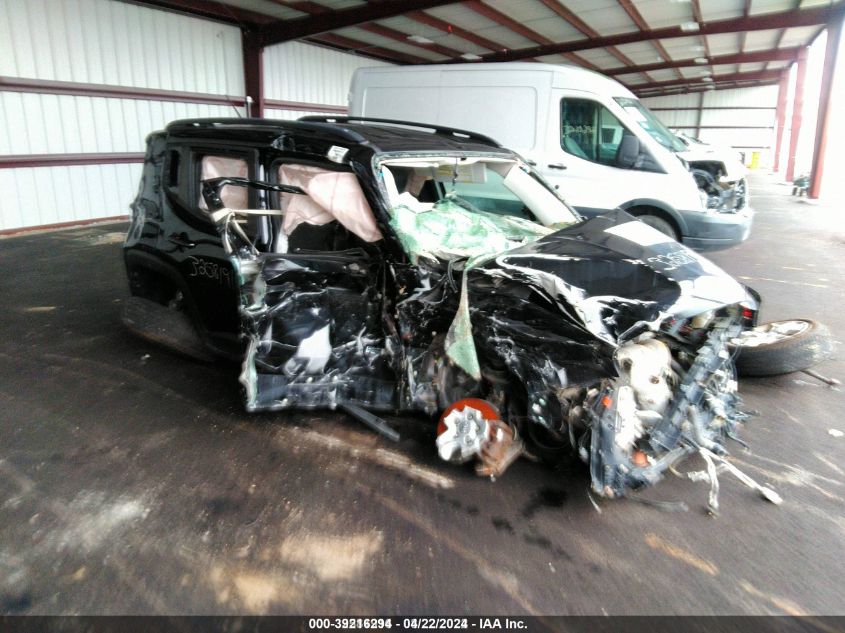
(345, 320)
(84, 81)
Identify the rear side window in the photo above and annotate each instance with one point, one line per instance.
(590, 131)
(219, 166)
(173, 165)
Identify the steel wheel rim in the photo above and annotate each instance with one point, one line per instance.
(769, 333)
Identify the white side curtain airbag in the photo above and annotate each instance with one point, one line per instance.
(331, 196)
(220, 166)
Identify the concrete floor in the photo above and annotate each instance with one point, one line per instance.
(131, 481)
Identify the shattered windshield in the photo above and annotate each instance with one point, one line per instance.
(458, 207)
(651, 124)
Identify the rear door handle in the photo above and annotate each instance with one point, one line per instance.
(557, 166)
(181, 239)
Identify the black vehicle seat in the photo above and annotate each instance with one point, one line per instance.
(314, 237)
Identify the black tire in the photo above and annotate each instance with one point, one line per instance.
(164, 326)
(793, 353)
(660, 224)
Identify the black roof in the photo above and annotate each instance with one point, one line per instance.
(380, 135)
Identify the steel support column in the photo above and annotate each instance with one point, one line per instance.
(700, 114)
(797, 107)
(253, 54)
(780, 116)
(834, 33)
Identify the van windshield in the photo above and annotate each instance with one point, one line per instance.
(651, 124)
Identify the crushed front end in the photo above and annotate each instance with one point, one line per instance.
(529, 331)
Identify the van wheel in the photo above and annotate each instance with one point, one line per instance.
(660, 224)
(781, 347)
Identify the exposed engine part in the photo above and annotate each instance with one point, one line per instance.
(464, 428)
(472, 428)
(722, 195)
(646, 367)
(632, 445)
(629, 428)
(499, 451)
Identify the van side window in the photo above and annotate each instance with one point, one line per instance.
(590, 131)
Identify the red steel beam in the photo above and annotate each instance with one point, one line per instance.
(834, 34)
(761, 75)
(774, 55)
(797, 107)
(12, 161)
(441, 25)
(746, 11)
(312, 8)
(785, 19)
(637, 18)
(500, 18)
(728, 85)
(399, 36)
(287, 30)
(48, 86)
(303, 106)
(795, 5)
(365, 48)
(210, 10)
(780, 115)
(253, 56)
(45, 86)
(585, 29)
(696, 14)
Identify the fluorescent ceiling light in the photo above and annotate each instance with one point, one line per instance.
(700, 60)
(471, 57)
(689, 26)
(420, 39)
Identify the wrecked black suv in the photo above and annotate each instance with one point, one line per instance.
(374, 266)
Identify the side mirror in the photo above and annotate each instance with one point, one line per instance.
(628, 152)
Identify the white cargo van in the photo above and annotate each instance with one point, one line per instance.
(584, 132)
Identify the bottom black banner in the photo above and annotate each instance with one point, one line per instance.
(308, 624)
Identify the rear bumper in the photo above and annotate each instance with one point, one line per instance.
(714, 231)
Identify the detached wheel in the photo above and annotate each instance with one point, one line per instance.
(660, 224)
(781, 347)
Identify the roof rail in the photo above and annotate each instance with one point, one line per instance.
(232, 123)
(438, 129)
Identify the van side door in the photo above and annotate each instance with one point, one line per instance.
(586, 155)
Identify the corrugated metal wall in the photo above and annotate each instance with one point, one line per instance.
(742, 118)
(105, 44)
(92, 43)
(306, 74)
(65, 124)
